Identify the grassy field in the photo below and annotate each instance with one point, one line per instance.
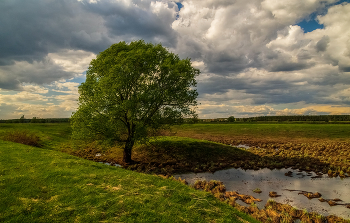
(52, 135)
(314, 147)
(44, 185)
(40, 185)
(277, 131)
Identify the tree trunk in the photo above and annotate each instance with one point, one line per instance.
(127, 151)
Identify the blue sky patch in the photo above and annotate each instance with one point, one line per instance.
(179, 5)
(309, 26)
(310, 23)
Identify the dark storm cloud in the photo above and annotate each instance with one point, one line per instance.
(344, 68)
(9, 83)
(37, 72)
(30, 30)
(126, 20)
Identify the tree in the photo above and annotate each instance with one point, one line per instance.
(21, 119)
(231, 119)
(131, 90)
(34, 120)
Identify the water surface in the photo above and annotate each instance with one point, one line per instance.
(245, 181)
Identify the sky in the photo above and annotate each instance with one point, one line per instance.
(256, 57)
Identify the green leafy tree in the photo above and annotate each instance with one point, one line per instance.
(132, 90)
(231, 119)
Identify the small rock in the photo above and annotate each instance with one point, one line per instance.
(289, 174)
(322, 199)
(273, 194)
(331, 203)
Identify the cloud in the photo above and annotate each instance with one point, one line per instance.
(57, 100)
(253, 53)
(253, 56)
(15, 111)
(62, 85)
(73, 61)
(38, 28)
(322, 44)
(230, 36)
(45, 41)
(288, 12)
(35, 89)
(22, 97)
(38, 72)
(130, 20)
(224, 110)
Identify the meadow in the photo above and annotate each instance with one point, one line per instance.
(42, 184)
(321, 148)
(47, 183)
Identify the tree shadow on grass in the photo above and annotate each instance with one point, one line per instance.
(171, 155)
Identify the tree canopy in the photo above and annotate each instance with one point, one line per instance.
(231, 119)
(132, 89)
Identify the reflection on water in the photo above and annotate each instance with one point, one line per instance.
(117, 165)
(245, 181)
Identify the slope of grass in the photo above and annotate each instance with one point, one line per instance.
(183, 149)
(51, 135)
(40, 185)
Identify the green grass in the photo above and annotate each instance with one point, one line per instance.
(51, 134)
(184, 150)
(276, 130)
(45, 185)
(41, 185)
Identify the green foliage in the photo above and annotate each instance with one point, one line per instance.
(131, 90)
(231, 119)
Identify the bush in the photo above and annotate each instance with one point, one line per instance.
(23, 137)
(231, 119)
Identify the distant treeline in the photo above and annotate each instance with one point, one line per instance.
(296, 118)
(35, 120)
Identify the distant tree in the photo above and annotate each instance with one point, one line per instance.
(193, 120)
(21, 119)
(132, 89)
(34, 120)
(231, 119)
